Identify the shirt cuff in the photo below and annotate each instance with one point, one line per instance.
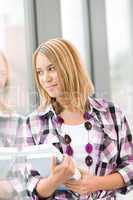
(127, 175)
(31, 185)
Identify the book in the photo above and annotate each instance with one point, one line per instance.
(37, 156)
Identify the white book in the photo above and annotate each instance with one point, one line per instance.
(39, 157)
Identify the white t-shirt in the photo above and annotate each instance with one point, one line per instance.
(80, 137)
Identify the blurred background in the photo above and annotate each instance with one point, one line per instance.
(101, 29)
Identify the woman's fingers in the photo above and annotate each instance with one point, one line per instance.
(84, 173)
(53, 163)
(67, 160)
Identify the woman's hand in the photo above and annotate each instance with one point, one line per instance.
(62, 172)
(89, 184)
(85, 185)
(59, 174)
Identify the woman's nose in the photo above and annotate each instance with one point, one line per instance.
(47, 77)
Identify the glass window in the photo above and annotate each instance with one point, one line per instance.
(120, 49)
(13, 42)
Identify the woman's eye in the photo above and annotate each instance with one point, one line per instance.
(40, 72)
(51, 68)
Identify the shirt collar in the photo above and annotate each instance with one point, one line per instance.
(98, 104)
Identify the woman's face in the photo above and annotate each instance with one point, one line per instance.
(47, 76)
(3, 73)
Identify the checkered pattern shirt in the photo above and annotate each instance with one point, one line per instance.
(112, 139)
(113, 146)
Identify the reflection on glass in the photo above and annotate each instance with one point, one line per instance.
(13, 44)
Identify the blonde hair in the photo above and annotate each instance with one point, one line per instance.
(75, 81)
(7, 67)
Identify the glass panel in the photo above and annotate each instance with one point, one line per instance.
(13, 45)
(120, 48)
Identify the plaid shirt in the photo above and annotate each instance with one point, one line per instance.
(112, 141)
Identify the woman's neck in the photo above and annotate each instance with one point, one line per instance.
(72, 117)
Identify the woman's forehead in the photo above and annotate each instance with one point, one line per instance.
(42, 61)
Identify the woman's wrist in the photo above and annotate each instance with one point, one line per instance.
(96, 183)
(109, 182)
(46, 186)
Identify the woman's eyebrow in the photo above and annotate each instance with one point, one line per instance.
(49, 65)
(40, 68)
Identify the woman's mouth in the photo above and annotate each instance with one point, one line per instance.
(51, 86)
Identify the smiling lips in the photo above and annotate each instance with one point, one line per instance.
(51, 86)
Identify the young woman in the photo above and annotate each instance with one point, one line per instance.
(92, 133)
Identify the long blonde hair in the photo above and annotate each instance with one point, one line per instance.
(75, 80)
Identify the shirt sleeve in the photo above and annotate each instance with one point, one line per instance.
(33, 176)
(32, 181)
(125, 167)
